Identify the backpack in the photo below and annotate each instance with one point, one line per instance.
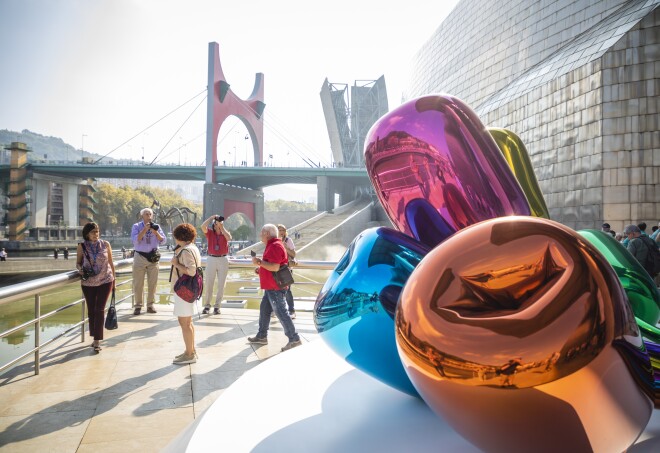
(652, 264)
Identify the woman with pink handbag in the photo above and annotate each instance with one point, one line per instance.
(185, 261)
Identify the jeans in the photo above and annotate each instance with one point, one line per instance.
(289, 300)
(273, 301)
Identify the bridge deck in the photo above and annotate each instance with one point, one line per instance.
(130, 397)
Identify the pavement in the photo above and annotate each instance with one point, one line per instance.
(130, 397)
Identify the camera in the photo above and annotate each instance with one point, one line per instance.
(219, 218)
(86, 273)
(154, 226)
(253, 253)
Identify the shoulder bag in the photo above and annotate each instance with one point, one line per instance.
(283, 277)
(190, 288)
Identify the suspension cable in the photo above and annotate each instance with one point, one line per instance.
(150, 126)
(177, 131)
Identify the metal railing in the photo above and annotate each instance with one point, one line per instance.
(37, 287)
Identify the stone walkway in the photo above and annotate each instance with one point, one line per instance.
(130, 397)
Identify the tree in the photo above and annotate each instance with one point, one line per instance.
(242, 233)
(119, 207)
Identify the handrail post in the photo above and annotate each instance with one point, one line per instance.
(82, 326)
(37, 330)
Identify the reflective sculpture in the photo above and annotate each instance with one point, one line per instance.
(354, 312)
(435, 149)
(641, 291)
(517, 317)
(515, 153)
(639, 286)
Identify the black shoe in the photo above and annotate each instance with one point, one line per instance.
(151, 310)
(137, 311)
(216, 311)
(206, 310)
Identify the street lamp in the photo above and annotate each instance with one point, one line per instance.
(82, 148)
(246, 153)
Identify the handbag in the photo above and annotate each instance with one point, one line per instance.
(111, 318)
(283, 277)
(190, 288)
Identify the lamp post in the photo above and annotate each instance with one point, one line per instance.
(82, 148)
(246, 153)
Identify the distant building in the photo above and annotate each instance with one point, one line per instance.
(577, 81)
(349, 117)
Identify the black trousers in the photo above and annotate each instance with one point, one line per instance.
(96, 297)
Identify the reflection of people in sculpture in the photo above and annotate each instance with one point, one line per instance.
(481, 373)
(552, 361)
(435, 359)
(508, 370)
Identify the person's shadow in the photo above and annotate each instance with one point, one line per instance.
(73, 413)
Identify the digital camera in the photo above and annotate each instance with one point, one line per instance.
(154, 226)
(219, 218)
(86, 273)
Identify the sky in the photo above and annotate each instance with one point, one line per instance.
(98, 73)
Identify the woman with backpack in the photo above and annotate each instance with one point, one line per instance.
(186, 260)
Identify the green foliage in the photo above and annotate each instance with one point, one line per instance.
(119, 207)
(242, 233)
(285, 205)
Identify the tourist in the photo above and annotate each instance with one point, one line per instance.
(290, 248)
(273, 301)
(217, 263)
(185, 261)
(146, 236)
(66, 253)
(639, 246)
(55, 253)
(3, 255)
(123, 252)
(97, 271)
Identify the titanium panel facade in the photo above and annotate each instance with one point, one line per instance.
(577, 81)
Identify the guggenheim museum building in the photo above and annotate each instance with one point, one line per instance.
(577, 81)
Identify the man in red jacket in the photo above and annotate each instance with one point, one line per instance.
(273, 301)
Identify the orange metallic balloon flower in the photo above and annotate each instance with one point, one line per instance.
(516, 317)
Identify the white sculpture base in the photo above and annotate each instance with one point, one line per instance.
(309, 399)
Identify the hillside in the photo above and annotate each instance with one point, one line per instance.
(43, 147)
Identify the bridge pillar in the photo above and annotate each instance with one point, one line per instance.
(220, 199)
(328, 187)
(222, 103)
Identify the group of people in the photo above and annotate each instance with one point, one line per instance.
(640, 245)
(95, 265)
(65, 253)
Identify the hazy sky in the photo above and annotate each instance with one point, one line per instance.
(107, 69)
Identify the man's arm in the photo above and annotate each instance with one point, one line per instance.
(135, 234)
(205, 225)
